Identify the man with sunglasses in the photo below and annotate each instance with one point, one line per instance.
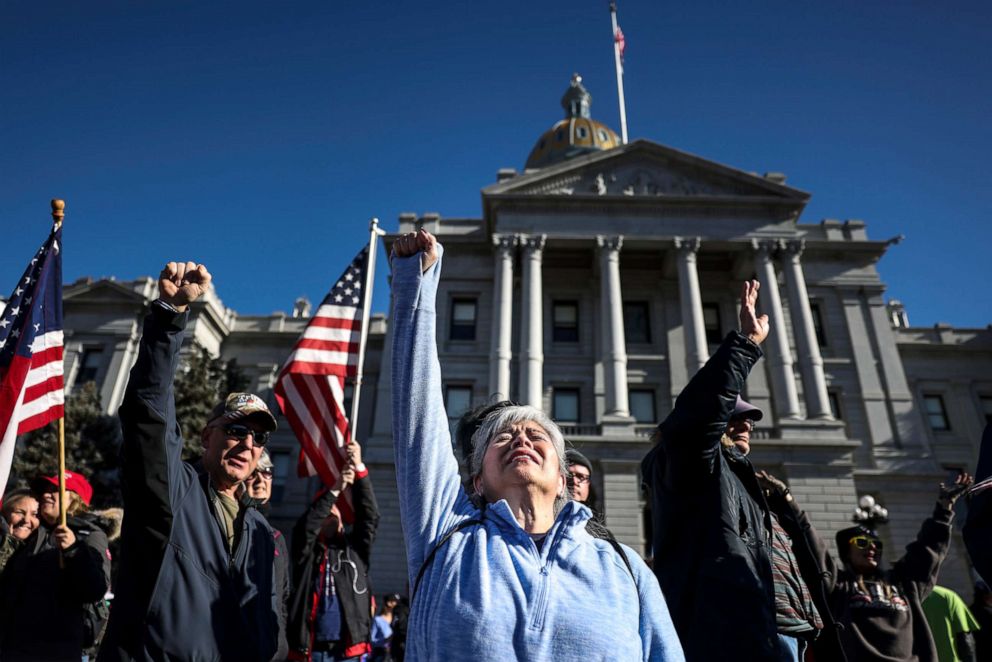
(196, 577)
(727, 571)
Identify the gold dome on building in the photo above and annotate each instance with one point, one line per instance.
(575, 135)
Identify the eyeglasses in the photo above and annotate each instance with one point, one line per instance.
(864, 542)
(241, 432)
(580, 479)
(266, 474)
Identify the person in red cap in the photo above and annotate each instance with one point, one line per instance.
(725, 566)
(59, 571)
(196, 578)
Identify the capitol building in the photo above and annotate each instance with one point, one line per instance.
(595, 281)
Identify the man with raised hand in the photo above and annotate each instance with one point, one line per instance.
(727, 571)
(196, 574)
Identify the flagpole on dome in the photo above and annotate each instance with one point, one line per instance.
(374, 233)
(58, 215)
(619, 43)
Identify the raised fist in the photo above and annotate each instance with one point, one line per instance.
(182, 283)
(417, 242)
(354, 451)
(754, 327)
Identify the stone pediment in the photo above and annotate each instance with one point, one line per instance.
(645, 169)
(107, 291)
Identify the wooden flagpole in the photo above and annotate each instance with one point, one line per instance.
(58, 214)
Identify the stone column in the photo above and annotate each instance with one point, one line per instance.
(500, 352)
(810, 361)
(532, 314)
(614, 346)
(693, 326)
(779, 356)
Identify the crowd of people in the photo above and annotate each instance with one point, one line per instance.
(508, 556)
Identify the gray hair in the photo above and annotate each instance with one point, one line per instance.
(264, 461)
(503, 419)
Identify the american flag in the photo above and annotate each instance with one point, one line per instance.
(31, 384)
(310, 386)
(619, 38)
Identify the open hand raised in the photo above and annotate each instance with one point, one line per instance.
(754, 327)
(182, 283)
(949, 493)
(414, 242)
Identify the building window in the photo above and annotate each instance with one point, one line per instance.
(581, 132)
(463, 319)
(89, 365)
(834, 398)
(636, 322)
(987, 408)
(936, 413)
(565, 321)
(565, 405)
(642, 405)
(711, 322)
(457, 401)
(282, 463)
(821, 336)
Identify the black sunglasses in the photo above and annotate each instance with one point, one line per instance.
(241, 432)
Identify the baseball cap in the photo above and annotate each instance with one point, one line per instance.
(243, 406)
(74, 482)
(744, 409)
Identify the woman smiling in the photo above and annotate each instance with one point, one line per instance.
(509, 571)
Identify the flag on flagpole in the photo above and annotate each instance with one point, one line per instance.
(31, 376)
(310, 387)
(621, 42)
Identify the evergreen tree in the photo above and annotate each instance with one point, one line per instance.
(92, 445)
(201, 383)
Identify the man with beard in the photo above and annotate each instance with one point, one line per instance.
(196, 573)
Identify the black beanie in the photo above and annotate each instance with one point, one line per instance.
(573, 456)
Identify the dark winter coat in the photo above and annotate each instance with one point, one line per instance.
(869, 636)
(308, 559)
(180, 593)
(712, 529)
(42, 604)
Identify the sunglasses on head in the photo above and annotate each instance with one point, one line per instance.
(864, 542)
(241, 432)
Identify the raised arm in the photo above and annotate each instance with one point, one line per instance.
(689, 438)
(921, 562)
(431, 497)
(152, 447)
(366, 509)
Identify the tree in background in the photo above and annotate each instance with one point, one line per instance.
(200, 385)
(92, 445)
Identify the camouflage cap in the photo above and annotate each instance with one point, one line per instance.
(240, 406)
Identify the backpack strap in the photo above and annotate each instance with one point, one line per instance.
(623, 555)
(464, 524)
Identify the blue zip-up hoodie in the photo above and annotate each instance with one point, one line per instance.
(490, 593)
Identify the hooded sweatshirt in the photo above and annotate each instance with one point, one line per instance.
(490, 592)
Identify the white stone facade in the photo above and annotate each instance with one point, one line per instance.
(593, 288)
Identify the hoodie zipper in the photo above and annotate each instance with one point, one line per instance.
(543, 593)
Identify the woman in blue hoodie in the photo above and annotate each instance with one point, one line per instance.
(509, 572)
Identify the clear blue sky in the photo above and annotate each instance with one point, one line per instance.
(259, 137)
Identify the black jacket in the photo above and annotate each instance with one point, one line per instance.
(43, 603)
(180, 593)
(712, 529)
(308, 556)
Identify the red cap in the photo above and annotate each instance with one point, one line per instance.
(74, 483)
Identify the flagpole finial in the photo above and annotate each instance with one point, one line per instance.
(58, 210)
